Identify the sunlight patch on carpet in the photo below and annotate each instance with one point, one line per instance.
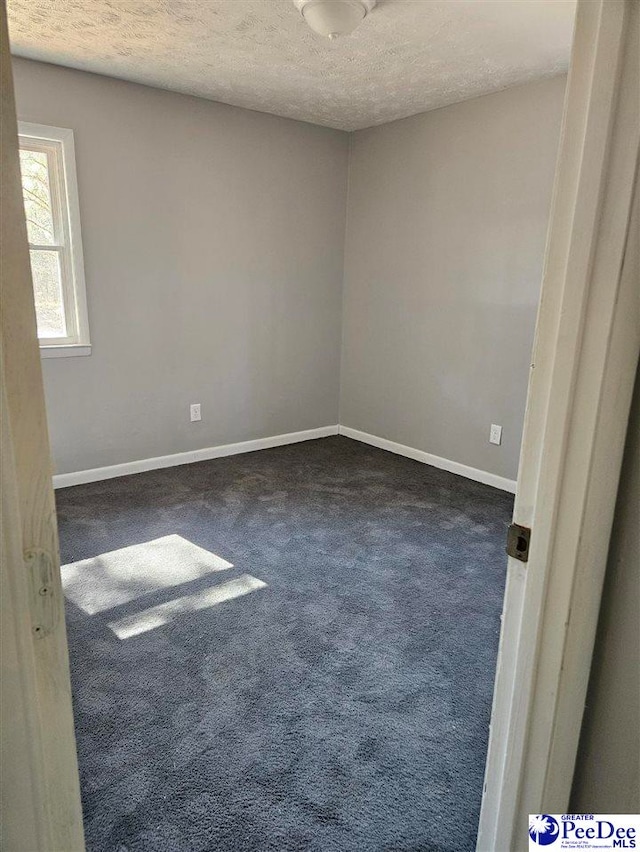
(157, 616)
(115, 578)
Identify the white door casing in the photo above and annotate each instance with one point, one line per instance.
(581, 383)
(39, 793)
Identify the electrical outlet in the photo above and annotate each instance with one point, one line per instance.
(495, 434)
(195, 412)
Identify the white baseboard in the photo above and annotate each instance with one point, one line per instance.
(436, 461)
(63, 480)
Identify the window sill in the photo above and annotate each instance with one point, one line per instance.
(65, 351)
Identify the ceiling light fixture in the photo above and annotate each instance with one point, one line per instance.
(333, 18)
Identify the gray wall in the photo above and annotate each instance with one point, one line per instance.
(607, 776)
(213, 240)
(446, 225)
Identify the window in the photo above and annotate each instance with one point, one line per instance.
(49, 188)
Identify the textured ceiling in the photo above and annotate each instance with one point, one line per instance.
(407, 56)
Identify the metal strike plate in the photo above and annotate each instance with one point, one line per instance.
(42, 598)
(518, 540)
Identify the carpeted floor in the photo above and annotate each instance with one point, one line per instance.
(292, 649)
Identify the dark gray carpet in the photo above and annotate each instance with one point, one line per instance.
(343, 706)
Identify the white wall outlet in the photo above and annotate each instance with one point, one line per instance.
(194, 410)
(495, 434)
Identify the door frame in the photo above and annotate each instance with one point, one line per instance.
(39, 784)
(581, 382)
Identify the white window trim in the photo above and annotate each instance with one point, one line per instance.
(77, 343)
